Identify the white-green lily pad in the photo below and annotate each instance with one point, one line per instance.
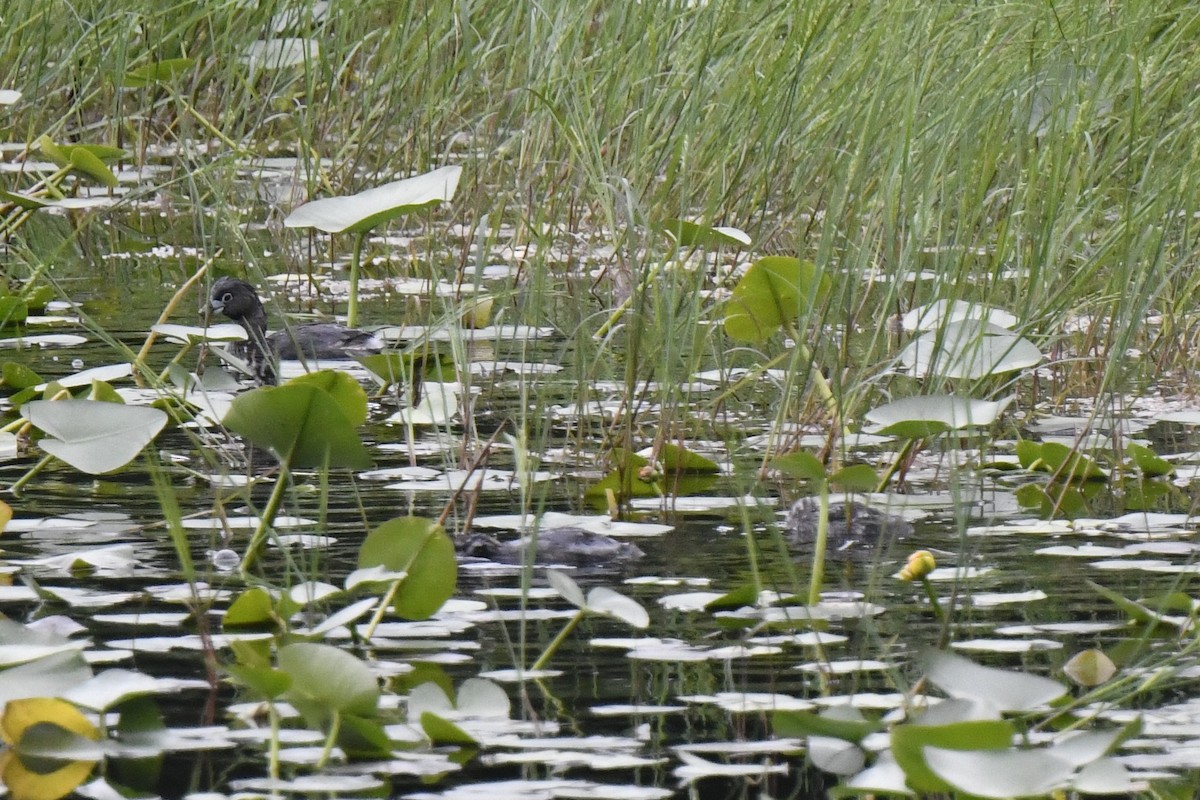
(934, 315)
(930, 415)
(280, 53)
(999, 773)
(969, 349)
(437, 406)
(91, 436)
(111, 687)
(193, 334)
(363, 211)
(1005, 689)
(44, 340)
(109, 372)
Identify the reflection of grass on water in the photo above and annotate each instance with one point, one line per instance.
(1037, 159)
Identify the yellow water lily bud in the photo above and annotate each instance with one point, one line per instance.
(919, 565)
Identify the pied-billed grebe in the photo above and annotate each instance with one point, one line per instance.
(850, 524)
(569, 546)
(237, 300)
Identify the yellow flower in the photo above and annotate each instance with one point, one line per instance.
(920, 564)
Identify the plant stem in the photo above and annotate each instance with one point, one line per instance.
(933, 599)
(28, 476)
(360, 239)
(267, 518)
(818, 563)
(334, 728)
(377, 617)
(894, 467)
(548, 653)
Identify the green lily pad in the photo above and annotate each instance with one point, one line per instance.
(420, 549)
(158, 72)
(693, 234)
(775, 290)
(1064, 463)
(302, 423)
(327, 680)
(677, 459)
(909, 743)
(1147, 461)
(800, 464)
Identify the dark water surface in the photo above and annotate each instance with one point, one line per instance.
(706, 551)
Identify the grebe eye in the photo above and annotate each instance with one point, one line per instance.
(225, 298)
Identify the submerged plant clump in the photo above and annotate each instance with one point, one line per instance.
(627, 322)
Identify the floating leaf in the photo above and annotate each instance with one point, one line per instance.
(940, 312)
(443, 732)
(692, 234)
(19, 376)
(566, 586)
(1147, 461)
(253, 607)
(327, 679)
(855, 478)
(999, 774)
(91, 436)
(775, 290)
(363, 211)
(345, 391)
(806, 723)
(909, 743)
(606, 602)
(13, 310)
(801, 464)
(1064, 463)
(676, 459)
(193, 334)
(302, 423)
(438, 405)
(930, 415)
(421, 550)
(87, 159)
(969, 349)
(158, 72)
(1005, 689)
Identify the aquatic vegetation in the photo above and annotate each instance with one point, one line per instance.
(709, 261)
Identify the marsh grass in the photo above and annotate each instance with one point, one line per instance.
(1039, 159)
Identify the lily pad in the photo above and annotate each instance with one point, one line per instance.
(1005, 689)
(970, 349)
(693, 234)
(302, 423)
(930, 415)
(421, 550)
(775, 290)
(327, 680)
(363, 211)
(91, 436)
